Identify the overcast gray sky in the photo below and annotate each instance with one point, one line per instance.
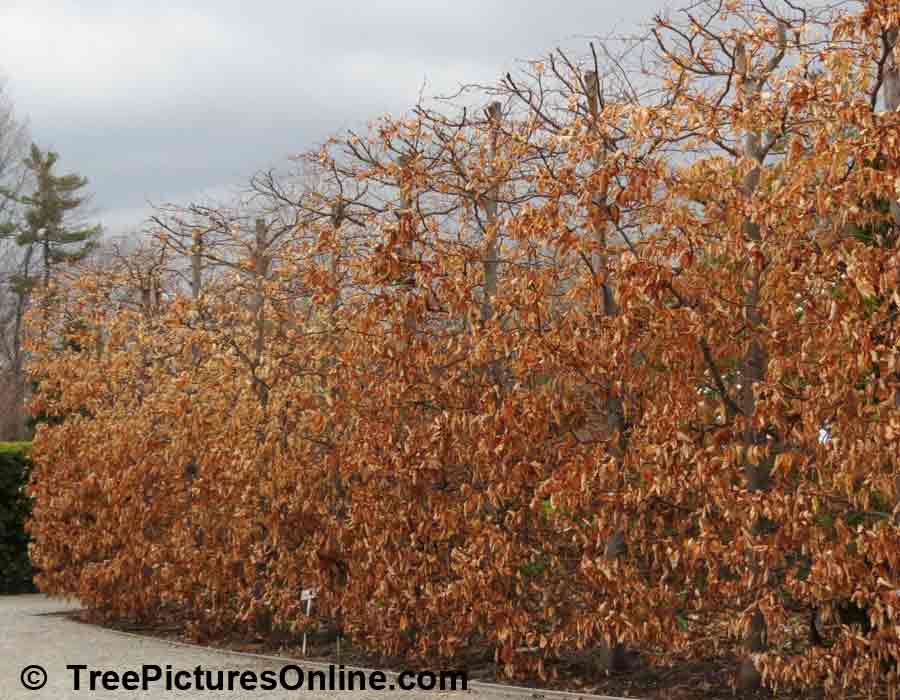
(169, 101)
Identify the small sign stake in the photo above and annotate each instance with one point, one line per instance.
(307, 595)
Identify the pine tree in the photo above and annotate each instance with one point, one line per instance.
(45, 232)
(45, 236)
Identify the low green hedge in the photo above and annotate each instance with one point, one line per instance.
(15, 567)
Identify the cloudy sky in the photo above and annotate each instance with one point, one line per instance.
(176, 100)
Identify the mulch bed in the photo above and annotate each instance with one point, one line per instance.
(711, 679)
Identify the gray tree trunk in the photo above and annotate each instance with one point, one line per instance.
(490, 214)
(755, 361)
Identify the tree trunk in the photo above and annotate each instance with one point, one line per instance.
(196, 289)
(490, 214)
(18, 360)
(610, 419)
(261, 271)
(755, 361)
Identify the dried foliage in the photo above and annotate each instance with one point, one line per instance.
(595, 368)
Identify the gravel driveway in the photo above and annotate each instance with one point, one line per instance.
(33, 632)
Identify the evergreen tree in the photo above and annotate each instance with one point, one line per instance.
(45, 232)
(45, 236)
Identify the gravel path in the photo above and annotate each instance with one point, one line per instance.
(34, 631)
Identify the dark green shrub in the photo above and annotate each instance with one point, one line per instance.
(15, 567)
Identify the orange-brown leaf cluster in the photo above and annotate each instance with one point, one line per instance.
(606, 365)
